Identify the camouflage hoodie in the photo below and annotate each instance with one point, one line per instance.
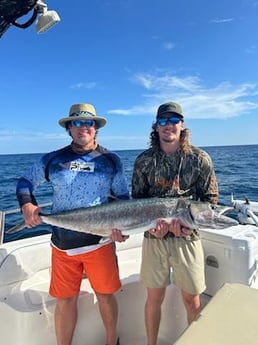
(188, 174)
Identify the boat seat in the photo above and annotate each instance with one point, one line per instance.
(25, 268)
(21, 262)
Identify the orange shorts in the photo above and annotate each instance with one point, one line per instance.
(99, 265)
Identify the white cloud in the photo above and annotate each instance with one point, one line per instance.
(31, 136)
(251, 50)
(87, 85)
(169, 45)
(218, 21)
(221, 101)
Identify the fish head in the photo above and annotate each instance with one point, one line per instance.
(183, 212)
(206, 215)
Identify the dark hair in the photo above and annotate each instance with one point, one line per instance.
(184, 139)
(67, 124)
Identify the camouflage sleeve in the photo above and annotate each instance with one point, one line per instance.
(140, 184)
(207, 187)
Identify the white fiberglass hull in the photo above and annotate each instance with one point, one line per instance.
(26, 309)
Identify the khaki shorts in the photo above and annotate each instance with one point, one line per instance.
(184, 256)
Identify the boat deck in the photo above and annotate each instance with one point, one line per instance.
(28, 308)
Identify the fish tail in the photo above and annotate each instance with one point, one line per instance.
(18, 227)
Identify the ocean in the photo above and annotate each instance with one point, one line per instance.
(236, 169)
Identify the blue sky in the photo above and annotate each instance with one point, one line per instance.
(126, 58)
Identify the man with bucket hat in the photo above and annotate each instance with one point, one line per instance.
(81, 174)
(172, 167)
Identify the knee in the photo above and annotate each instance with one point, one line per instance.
(105, 298)
(156, 296)
(62, 303)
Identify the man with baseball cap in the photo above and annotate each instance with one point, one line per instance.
(81, 174)
(170, 108)
(172, 167)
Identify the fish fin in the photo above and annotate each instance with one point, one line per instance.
(112, 198)
(180, 204)
(104, 239)
(138, 228)
(226, 210)
(18, 227)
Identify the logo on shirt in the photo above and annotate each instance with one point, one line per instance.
(79, 166)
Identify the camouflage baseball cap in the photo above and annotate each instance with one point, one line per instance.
(170, 107)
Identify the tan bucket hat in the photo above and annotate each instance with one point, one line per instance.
(84, 112)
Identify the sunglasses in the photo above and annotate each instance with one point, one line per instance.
(163, 121)
(80, 123)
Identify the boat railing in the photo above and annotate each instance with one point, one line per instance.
(246, 210)
(3, 214)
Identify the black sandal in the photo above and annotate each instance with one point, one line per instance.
(118, 341)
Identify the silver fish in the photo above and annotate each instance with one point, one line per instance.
(138, 215)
